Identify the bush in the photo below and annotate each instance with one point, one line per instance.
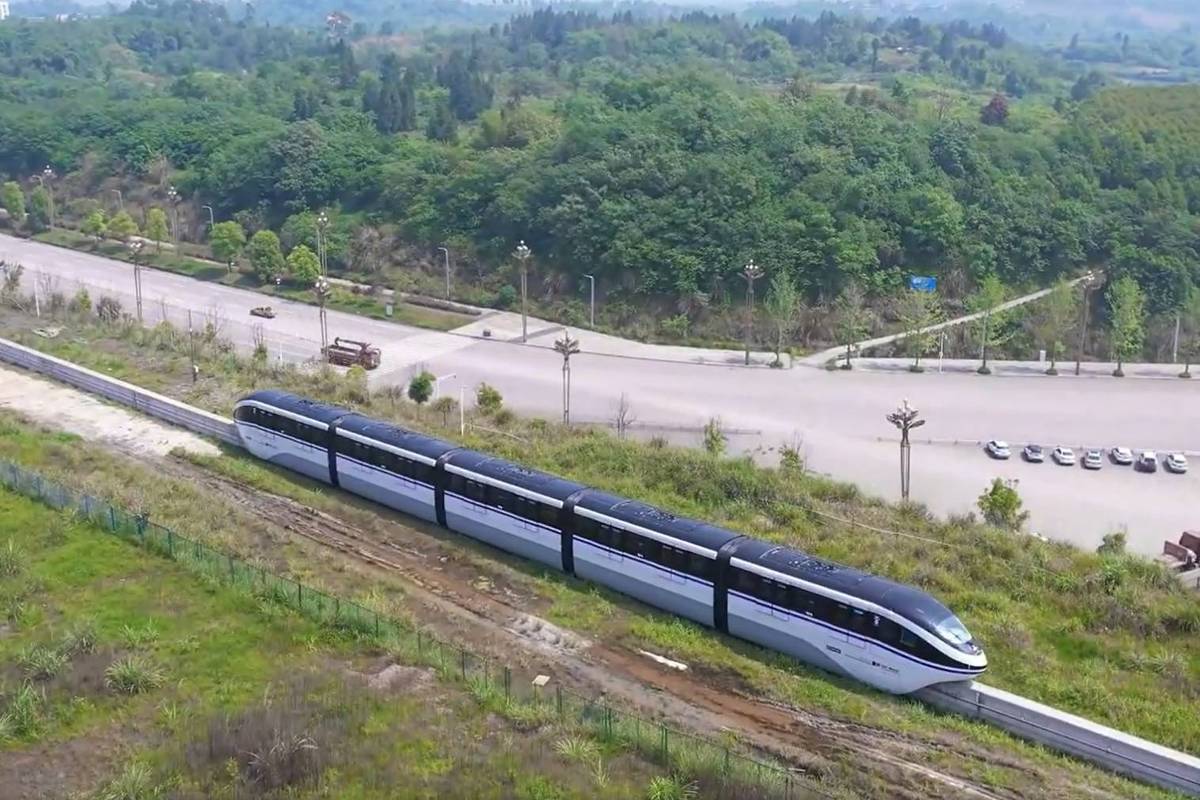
(714, 437)
(1001, 506)
(12, 560)
(23, 717)
(132, 675)
(81, 303)
(487, 399)
(1113, 544)
(79, 639)
(108, 309)
(671, 788)
(505, 297)
(136, 782)
(420, 389)
(41, 663)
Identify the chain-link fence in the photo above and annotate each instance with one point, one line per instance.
(51, 297)
(718, 767)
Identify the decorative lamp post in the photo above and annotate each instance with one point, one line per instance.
(1090, 281)
(905, 418)
(322, 226)
(522, 254)
(45, 178)
(566, 347)
(321, 289)
(135, 250)
(445, 251)
(751, 272)
(173, 203)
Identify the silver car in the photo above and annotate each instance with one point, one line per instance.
(1092, 460)
(1122, 456)
(1176, 463)
(1063, 456)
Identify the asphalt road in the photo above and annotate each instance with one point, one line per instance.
(838, 416)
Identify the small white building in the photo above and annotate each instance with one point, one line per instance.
(3, 10)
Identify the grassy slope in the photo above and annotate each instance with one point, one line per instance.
(1113, 639)
(227, 656)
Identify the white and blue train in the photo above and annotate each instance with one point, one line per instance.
(891, 636)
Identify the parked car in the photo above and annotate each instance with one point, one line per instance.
(1176, 463)
(1147, 462)
(1092, 460)
(997, 449)
(1121, 455)
(1063, 456)
(1033, 453)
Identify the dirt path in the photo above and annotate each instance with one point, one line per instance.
(66, 409)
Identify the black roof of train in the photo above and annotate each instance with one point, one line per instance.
(907, 601)
(287, 401)
(648, 516)
(529, 479)
(396, 436)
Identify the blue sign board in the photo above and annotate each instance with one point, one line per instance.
(922, 283)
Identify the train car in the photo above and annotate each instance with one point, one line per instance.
(388, 464)
(882, 633)
(507, 506)
(885, 634)
(644, 552)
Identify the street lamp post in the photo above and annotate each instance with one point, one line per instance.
(135, 249)
(1089, 281)
(566, 347)
(322, 225)
(905, 418)
(751, 272)
(321, 288)
(173, 202)
(445, 251)
(212, 221)
(522, 254)
(592, 279)
(120, 199)
(437, 383)
(46, 176)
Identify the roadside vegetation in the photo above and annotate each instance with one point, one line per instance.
(1107, 635)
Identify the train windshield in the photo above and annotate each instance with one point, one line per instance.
(953, 631)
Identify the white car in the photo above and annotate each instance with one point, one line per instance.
(1063, 456)
(1175, 462)
(1092, 460)
(1121, 455)
(997, 449)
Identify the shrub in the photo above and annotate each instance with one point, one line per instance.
(12, 561)
(138, 637)
(488, 399)
(504, 417)
(505, 297)
(577, 748)
(79, 639)
(420, 389)
(1001, 506)
(714, 437)
(23, 717)
(671, 788)
(445, 406)
(41, 663)
(108, 309)
(132, 675)
(1113, 544)
(136, 782)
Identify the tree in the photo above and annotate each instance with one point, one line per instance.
(1127, 318)
(367, 250)
(442, 125)
(94, 225)
(996, 111)
(850, 313)
(445, 406)
(227, 240)
(989, 294)
(918, 312)
(122, 226)
(420, 389)
(156, 227)
(303, 265)
(12, 199)
(266, 257)
(488, 399)
(1054, 317)
(39, 209)
(1001, 506)
(782, 307)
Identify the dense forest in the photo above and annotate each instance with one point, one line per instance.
(659, 156)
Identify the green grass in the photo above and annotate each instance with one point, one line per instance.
(226, 675)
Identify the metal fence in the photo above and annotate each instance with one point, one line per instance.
(718, 767)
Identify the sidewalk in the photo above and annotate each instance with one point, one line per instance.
(1024, 369)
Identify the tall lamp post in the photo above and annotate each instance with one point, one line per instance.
(173, 201)
(592, 316)
(135, 250)
(445, 251)
(522, 254)
(905, 418)
(751, 272)
(45, 177)
(321, 289)
(212, 220)
(1089, 282)
(322, 225)
(566, 347)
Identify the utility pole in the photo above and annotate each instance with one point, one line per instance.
(192, 348)
(135, 248)
(592, 278)
(1175, 346)
(1087, 307)
(566, 347)
(905, 418)
(522, 254)
(751, 272)
(446, 253)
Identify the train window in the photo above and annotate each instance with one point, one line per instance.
(456, 484)
(909, 640)
(887, 631)
(861, 622)
(547, 515)
(747, 582)
(839, 615)
(420, 472)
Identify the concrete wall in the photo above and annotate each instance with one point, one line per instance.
(1027, 719)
